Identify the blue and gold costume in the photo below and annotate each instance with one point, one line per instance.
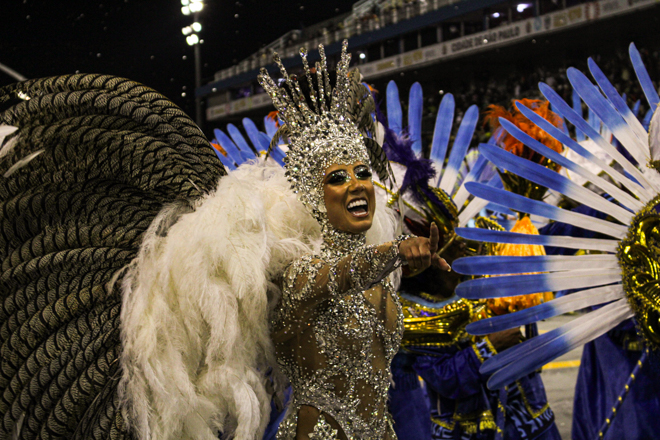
(460, 404)
(606, 365)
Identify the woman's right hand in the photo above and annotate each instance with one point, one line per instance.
(421, 252)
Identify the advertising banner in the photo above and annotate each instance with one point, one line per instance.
(501, 35)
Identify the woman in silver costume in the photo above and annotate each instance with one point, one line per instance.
(156, 319)
(338, 323)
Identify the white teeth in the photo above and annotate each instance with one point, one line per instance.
(355, 203)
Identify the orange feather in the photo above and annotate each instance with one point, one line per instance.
(511, 144)
(273, 117)
(512, 304)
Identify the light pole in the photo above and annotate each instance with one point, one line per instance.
(194, 7)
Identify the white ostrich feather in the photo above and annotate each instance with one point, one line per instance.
(6, 130)
(197, 303)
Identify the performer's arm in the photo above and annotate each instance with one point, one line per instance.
(308, 282)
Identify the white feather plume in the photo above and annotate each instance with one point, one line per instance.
(6, 130)
(197, 302)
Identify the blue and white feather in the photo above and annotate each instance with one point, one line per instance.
(453, 170)
(239, 151)
(594, 158)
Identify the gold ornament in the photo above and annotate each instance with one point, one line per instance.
(639, 258)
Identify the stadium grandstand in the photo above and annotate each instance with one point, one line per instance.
(482, 51)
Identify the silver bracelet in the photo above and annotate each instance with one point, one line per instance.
(401, 261)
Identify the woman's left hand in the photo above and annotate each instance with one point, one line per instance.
(421, 252)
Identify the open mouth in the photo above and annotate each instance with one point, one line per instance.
(358, 208)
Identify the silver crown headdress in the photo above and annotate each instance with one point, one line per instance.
(335, 131)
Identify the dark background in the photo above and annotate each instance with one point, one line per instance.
(142, 39)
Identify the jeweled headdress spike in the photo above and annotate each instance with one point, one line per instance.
(333, 129)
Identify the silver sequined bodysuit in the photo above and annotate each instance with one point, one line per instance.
(336, 331)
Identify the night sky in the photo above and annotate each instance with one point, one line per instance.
(142, 39)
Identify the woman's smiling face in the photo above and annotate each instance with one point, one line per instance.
(349, 197)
